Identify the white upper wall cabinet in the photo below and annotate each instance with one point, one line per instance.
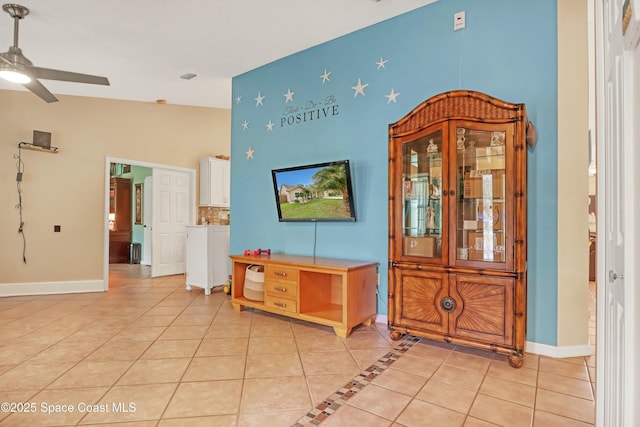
(214, 182)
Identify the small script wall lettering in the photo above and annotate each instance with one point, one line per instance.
(312, 110)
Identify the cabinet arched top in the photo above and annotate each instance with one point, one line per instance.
(462, 105)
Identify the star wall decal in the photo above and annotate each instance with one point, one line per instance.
(288, 96)
(270, 126)
(392, 96)
(325, 76)
(259, 99)
(381, 63)
(249, 153)
(359, 88)
(245, 125)
(238, 99)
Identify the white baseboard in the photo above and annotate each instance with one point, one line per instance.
(558, 352)
(48, 288)
(382, 318)
(536, 348)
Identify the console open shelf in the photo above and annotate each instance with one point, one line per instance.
(332, 292)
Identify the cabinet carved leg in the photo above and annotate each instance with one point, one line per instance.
(395, 335)
(516, 360)
(237, 307)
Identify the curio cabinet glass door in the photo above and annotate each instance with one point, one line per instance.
(482, 202)
(422, 209)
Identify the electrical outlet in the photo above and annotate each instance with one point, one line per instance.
(459, 21)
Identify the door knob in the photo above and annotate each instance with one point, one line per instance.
(613, 276)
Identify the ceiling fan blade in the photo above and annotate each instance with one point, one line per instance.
(67, 76)
(36, 87)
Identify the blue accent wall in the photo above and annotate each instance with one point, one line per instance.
(508, 50)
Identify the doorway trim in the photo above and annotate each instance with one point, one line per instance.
(107, 177)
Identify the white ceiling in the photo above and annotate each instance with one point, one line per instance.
(143, 46)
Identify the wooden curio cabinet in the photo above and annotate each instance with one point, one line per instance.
(120, 228)
(458, 222)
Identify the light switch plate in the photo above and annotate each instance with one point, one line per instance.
(459, 21)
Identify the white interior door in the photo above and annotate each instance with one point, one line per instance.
(147, 217)
(171, 202)
(616, 379)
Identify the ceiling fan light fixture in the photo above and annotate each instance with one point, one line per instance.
(14, 76)
(15, 67)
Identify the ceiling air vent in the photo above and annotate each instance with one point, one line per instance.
(188, 76)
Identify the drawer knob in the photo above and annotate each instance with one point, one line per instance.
(280, 273)
(280, 289)
(279, 304)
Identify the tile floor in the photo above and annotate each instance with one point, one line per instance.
(149, 353)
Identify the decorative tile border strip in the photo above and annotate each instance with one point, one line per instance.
(332, 403)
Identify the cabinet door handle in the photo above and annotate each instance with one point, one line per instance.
(279, 304)
(280, 273)
(280, 288)
(452, 192)
(448, 304)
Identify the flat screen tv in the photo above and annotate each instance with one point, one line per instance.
(318, 192)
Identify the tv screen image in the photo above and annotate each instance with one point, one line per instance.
(317, 192)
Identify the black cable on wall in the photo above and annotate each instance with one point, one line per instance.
(20, 167)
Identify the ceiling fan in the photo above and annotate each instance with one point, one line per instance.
(16, 68)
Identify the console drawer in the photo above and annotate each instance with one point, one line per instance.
(284, 304)
(281, 274)
(282, 289)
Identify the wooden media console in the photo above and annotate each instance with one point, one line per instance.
(332, 292)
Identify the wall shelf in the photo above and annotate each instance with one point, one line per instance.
(30, 146)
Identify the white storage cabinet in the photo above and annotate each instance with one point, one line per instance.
(207, 256)
(214, 182)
